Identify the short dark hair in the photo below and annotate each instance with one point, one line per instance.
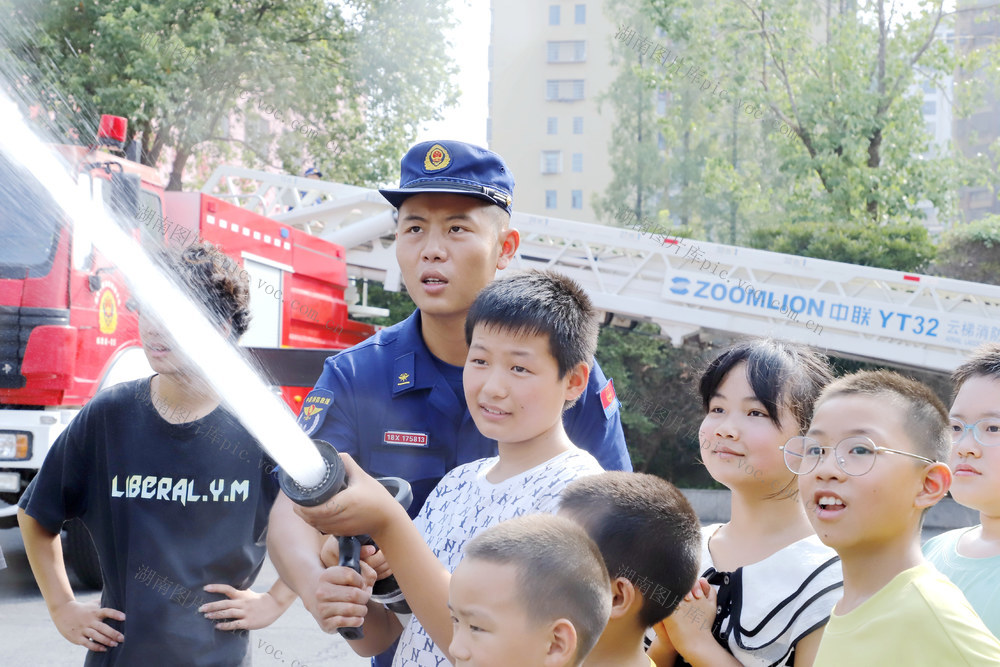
(647, 532)
(925, 417)
(560, 572)
(216, 281)
(779, 372)
(540, 303)
(985, 361)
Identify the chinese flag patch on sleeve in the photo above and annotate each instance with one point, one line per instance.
(609, 401)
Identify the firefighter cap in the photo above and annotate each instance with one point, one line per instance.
(453, 167)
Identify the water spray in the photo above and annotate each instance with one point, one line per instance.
(219, 362)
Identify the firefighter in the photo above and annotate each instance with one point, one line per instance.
(395, 401)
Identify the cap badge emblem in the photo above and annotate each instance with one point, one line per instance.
(437, 158)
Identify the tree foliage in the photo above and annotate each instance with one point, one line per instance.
(899, 246)
(786, 112)
(971, 252)
(639, 174)
(311, 82)
(660, 410)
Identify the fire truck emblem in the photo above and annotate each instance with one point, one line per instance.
(437, 158)
(107, 312)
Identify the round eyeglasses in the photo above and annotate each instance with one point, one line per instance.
(986, 431)
(855, 455)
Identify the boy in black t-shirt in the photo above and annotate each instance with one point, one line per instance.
(179, 520)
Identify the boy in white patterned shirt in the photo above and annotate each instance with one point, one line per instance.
(531, 339)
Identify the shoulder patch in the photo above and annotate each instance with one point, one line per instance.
(609, 401)
(314, 409)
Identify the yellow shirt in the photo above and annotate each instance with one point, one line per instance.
(918, 618)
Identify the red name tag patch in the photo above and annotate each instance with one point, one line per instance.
(405, 438)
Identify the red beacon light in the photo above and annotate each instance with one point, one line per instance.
(111, 131)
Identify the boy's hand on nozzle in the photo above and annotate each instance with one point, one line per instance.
(82, 623)
(364, 507)
(376, 560)
(330, 553)
(341, 599)
(243, 610)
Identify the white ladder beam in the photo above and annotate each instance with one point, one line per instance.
(687, 287)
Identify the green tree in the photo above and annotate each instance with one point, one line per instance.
(793, 114)
(899, 246)
(639, 176)
(660, 410)
(328, 74)
(971, 252)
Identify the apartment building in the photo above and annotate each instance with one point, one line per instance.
(549, 61)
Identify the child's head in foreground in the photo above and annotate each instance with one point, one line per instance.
(215, 283)
(529, 591)
(532, 338)
(975, 431)
(649, 536)
(756, 395)
(890, 434)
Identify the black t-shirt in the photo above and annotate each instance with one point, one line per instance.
(171, 508)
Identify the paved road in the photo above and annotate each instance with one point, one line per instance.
(30, 639)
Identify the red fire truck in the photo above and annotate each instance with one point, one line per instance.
(66, 326)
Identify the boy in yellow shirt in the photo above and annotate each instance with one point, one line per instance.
(870, 465)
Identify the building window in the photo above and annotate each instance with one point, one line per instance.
(553, 14)
(567, 52)
(550, 199)
(930, 108)
(577, 198)
(564, 90)
(552, 125)
(580, 14)
(980, 198)
(551, 162)
(578, 162)
(577, 124)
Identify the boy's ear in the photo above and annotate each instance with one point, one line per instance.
(937, 481)
(624, 596)
(562, 644)
(510, 239)
(577, 378)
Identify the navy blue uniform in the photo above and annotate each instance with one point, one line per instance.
(171, 507)
(400, 411)
(390, 404)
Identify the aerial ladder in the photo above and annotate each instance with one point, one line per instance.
(684, 287)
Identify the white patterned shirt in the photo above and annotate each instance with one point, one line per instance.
(464, 504)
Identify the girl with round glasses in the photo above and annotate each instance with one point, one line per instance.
(970, 557)
(768, 583)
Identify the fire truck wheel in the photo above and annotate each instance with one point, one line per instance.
(82, 555)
